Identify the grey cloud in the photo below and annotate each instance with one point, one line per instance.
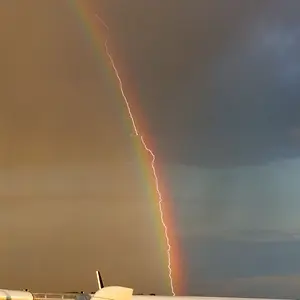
(214, 261)
(228, 89)
(282, 287)
(210, 202)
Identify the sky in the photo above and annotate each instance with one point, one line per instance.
(214, 85)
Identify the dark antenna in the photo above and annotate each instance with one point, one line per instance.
(99, 280)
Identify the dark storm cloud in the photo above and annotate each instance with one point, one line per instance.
(223, 72)
(229, 267)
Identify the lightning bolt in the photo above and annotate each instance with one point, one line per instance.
(136, 132)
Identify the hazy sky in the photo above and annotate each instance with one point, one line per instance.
(216, 87)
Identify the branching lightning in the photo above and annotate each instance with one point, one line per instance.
(136, 132)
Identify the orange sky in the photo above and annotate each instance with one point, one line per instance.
(69, 202)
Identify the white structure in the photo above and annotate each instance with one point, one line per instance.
(113, 293)
(104, 293)
(15, 295)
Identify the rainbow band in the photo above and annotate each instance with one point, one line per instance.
(97, 36)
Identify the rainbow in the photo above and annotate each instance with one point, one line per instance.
(97, 35)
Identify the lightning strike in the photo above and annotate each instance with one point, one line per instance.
(136, 132)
